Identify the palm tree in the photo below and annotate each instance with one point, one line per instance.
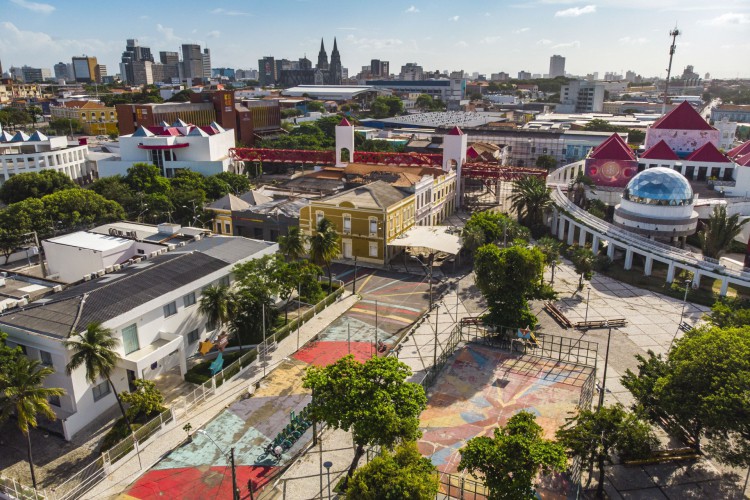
(23, 394)
(215, 305)
(577, 188)
(530, 198)
(472, 238)
(293, 244)
(324, 246)
(550, 247)
(719, 232)
(95, 350)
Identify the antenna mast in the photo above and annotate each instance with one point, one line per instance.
(674, 34)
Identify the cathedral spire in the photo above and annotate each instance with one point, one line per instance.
(322, 57)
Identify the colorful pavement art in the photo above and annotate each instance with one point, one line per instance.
(199, 470)
(482, 388)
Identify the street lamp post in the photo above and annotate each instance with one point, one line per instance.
(235, 489)
(606, 362)
(354, 283)
(428, 270)
(682, 313)
(588, 295)
(328, 464)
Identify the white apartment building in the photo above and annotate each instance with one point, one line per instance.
(202, 149)
(149, 303)
(21, 153)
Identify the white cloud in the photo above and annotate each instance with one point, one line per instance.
(453, 18)
(522, 30)
(567, 45)
(730, 18)
(167, 33)
(544, 41)
(462, 44)
(227, 12)
(42, 8)
(37, 44)
(576, 11)
(412, 10)
(213, 34)
(488, 40)
(628, 40)
(374, 43)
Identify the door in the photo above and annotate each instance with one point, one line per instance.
(347, 249)
(131, 379)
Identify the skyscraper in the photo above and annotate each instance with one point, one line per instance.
(61, 71)
(192, 62)
(206, 64)
(556, 66)
(133, 54)
(84, 69)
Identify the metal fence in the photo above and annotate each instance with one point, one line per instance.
(11, 488)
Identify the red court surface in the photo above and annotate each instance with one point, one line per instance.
(196, 483)
(326, 353)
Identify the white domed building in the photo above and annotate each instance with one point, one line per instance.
(658, 203)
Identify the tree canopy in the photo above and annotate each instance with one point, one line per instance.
(719, 231)
(34, 185)
(496, 227)
(372, 399)
(510, 461)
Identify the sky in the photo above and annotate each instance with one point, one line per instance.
(472, 35)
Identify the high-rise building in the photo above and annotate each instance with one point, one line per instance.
(192, 62)
(31, 75)
(524, 75)
(411, 72)
(267, 72)
(100, 71)
(84, 69)
(380, 68)
(556, 66)
(170, 62)
(580, 96)
(61, 71)
(134, 53)
(322, 57)
(334, 70)
(206, 58)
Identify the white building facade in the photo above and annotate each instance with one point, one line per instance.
(22, 153)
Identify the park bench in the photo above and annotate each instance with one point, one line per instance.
(660, 456)
(603, 323)
(557, 314)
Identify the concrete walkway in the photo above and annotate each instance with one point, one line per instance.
(154, 450)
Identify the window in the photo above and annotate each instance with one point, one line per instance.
(141, 251)
(130, 339)
(189, 299)
(373, 249)
(101, 390)
(373, 226)
(318, 217)
(227, 228)
(224, 281)
(347, 224)
(54, 401)
(193, 336)
(170, 309)
(45, 357)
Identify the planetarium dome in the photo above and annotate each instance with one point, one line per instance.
(658, 203)
(659, 186)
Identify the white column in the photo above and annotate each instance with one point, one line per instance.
(595, 243)
(648, 266)
(571, 232)
(561, 229)
(611, 250)
(670, 272)
(721, 173)
(628, 258)
(582, 236)
(696, 279)
(724, 286)
(554, 219)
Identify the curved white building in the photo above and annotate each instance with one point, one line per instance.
(658, 203)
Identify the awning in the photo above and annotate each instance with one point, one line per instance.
(437, 238)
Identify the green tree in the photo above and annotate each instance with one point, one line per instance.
(508, 278)
(595, 435)
(497, 227)
(74, 207)
(547, 162)
(23, 394)
(94, 349)
(472, 238)
(215, 305)
(403, 474)
(289, 277)
(187, 180)
(25, 216)
(530, 198)
(315, 106)
(324, 246)
(146, 178)
(251, 302)
(725, 313)
(510, 461)
(145, 402)
(702, 386)
(116, 189)
(719, 232)
(550, 248)
(577, 188)
(35, 112)
(238, 183)
(293, 244)
(10, 241)
(372, 399)
(583, 260)
(65, 126)
(34, 185)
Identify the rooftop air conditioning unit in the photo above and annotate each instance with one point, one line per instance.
(171, 247)
(22, 302)
(12, 304)
(100, 272)
(108, 269)
(2, 282)
(153, 254)
(57, 288)
(116, 267)
(86, 277)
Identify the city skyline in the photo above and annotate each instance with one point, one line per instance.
(510, 36)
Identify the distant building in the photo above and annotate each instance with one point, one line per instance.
(170, 62)
(84, 69)
(21, 153)
(227, 73)
(580, 96)
(524, 75)
(31, 75)
(411, 72)
(192, 63)
(95, 117)
(732, 112)
(62, 71)
(444, 89)
(379, 69)
(267, 71)
(556, 66)
(499, 77)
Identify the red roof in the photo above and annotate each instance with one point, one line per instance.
(613, 148)
(683, 117)
(660, 151)
(708, 153)
(345, 123)
(744, 161)
(740, 150)
(455, 131)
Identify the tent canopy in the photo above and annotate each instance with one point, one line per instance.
(436, 238)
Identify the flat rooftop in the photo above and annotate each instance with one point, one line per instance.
(90, 241)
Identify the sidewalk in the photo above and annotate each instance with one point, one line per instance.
(133, 467)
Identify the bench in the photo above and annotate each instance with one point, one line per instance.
(557, 314)
(603, 323)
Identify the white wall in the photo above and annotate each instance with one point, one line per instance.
(71, 263)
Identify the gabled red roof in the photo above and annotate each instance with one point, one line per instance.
(613, 148)
(683, 117)
(744, 161)
(660, 151)
(740, 150)
(455, 131)
(345, 123)
(709, 153)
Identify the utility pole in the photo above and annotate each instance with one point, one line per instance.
(354, 283)
(235, 489)
(674, 34)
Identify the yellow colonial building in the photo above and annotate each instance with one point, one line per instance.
(96, 118)
(368, 218)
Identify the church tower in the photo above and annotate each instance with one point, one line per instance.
(322, 58)
(335, 69)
